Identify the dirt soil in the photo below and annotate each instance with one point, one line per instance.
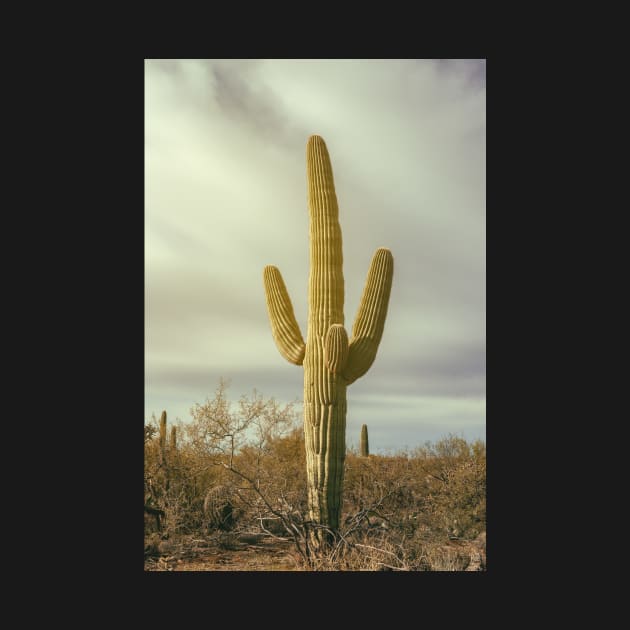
(257, 552)
(244, 553)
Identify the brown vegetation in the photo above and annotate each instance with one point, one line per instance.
(231, 495)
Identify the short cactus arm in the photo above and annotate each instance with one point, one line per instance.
(336, 348)
(370, 320)
(284, 326)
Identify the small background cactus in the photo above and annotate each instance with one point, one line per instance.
(173, 444)
(165, 476)
(364, 447)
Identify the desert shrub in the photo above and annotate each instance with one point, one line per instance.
(415, 510)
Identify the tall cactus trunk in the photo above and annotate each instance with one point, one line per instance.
(331, 363)
(324, 389)
(364, 447)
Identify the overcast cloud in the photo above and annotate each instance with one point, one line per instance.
(225, 195)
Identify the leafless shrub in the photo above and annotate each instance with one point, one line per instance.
(242, 467)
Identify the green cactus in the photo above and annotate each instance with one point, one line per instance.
(364, 446)
(331, 361)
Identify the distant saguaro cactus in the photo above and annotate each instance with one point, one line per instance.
(173, 443)
(163, 451)
(330, 361)
(162, 434)
(364, 446)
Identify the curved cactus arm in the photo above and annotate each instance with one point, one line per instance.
(370, 320)
(336, 348)
(285, 329)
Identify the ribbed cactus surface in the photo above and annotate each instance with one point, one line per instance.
(331, 361)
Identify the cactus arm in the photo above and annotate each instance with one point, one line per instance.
(284, 327)
(336, 348)
(370, 320)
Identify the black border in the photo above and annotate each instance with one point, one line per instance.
(107, 320)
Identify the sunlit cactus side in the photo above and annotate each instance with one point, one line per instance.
(173, 442)
(364, 447)
(331, 361)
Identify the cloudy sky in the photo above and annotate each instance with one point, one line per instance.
(225, 195)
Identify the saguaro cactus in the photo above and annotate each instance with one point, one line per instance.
(163, 452)
(330, 361)
(173, 442)
(162, 442)
(364, 447)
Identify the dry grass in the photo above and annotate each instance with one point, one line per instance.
(225, 553)
(268, 554)
(423, 510)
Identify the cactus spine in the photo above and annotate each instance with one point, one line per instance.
(331, 361)
(364, 447)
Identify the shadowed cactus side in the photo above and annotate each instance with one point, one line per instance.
(331, 361)
(364, 447)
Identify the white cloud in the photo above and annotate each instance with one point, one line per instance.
(225, 195)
